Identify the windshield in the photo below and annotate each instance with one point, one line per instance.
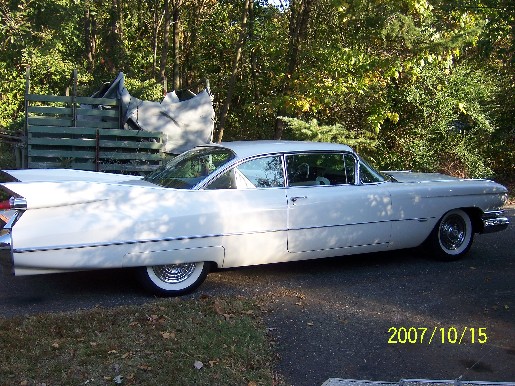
(368, 174)
(188, 169)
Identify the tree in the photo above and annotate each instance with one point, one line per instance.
(232, 81)
(300, 14)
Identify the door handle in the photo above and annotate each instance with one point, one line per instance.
(295, 199)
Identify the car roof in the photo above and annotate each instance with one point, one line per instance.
(244, 149)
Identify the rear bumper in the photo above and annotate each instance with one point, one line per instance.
(6, 252)
(494, 221)
(6, 241)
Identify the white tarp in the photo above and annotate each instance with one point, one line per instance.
(185, 124)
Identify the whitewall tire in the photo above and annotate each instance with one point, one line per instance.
(453, 235)
(174, 279)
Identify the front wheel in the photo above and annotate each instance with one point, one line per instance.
(173, 279)
(452, 237)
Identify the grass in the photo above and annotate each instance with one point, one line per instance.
(170, 342)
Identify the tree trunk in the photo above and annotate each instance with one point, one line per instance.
(89, 37)
(115, 46)
(300, 14)
(166, 43)
(155, 31)
(176, 44)
(234, 73)
(253, 55)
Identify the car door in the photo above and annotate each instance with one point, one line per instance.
(249, 200)
(329, 210)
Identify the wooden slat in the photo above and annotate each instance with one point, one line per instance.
(61, 142)
(55, 153)
(43, 121)
(131, 144)
(127, 168)
(114, 124)
(58, 165)
(50, 110)
(69, 99)
(97, 101)
(48, 98)
(131, 133)
(131, 156)
(63, 130)
(98, 113)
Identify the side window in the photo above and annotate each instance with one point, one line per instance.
(320, 169)
(265, 172)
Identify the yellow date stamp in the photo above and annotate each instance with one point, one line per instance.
(443, 335)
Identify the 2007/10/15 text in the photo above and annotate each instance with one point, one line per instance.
(443, 335)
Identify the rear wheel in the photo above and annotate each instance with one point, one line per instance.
(452, 237)
(173, 279)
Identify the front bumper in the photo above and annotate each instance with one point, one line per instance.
(494, 221)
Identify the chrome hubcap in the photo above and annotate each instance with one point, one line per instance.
(452, 232)
(174, 273)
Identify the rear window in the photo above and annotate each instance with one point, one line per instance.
(188, 169)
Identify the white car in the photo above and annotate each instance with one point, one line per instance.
(236, 204)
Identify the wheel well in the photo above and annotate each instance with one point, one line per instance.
(213, 265)
(475, 217)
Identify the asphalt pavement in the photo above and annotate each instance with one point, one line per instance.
(382, 317)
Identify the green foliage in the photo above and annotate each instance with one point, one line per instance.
(312, 131)
(421, 84)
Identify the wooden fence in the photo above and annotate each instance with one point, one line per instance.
(86, 133)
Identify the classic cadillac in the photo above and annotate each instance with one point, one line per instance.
(236, 204)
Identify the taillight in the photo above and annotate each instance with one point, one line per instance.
(5, 205)
(13, 203)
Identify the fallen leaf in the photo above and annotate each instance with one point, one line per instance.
(55, 345)
(112, 352)
(228, 316)
(168, 335)
(198, 365)
(145, 367)
(252, 383)
(212, 363)
(126, 355)
(218, 308)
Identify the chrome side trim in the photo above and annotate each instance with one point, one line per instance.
(195, 237)
(494, 221)
(6, 252)
(136, 242)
